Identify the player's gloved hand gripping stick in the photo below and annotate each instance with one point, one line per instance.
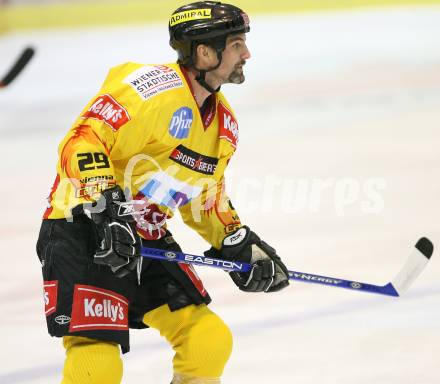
(410, 271)
(267, 272)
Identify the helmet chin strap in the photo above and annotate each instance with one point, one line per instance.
(201, 77)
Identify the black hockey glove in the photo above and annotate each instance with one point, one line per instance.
(268, 272)
(118, 244)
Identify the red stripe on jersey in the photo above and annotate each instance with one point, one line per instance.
(49, 199)
(195, 279)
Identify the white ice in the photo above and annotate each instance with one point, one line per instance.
(350, 100)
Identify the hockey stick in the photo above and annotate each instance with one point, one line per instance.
(410, 271)
(21, 62)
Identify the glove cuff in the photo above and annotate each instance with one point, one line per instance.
(236, 246)
(237, 238)
(116, 206)
(113, 194)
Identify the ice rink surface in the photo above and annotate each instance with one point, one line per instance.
(337, 167)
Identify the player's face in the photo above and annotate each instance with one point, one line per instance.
(233, 59)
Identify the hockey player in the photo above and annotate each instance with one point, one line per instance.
(155, 138)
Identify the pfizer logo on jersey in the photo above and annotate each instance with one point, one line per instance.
(180, 123)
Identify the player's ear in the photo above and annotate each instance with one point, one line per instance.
(205, 56)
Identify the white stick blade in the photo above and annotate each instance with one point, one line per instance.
(414, 265)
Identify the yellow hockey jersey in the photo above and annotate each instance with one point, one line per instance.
(144, 132)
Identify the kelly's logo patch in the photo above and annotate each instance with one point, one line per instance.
(50, 292)
(228, 127)
(97, 308)
(107, 109)
(194, 161)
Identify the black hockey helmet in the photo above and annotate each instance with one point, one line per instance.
(208, 22)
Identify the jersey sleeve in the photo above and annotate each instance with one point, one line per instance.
(212, 215)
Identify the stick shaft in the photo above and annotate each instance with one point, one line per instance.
(235, 266)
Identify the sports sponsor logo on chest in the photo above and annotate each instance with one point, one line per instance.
(228, 127)
(97, 308)
(194, 161)
(107, 109)
(150, 81)
(181, 122)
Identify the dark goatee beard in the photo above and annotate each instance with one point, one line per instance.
(237, 75)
